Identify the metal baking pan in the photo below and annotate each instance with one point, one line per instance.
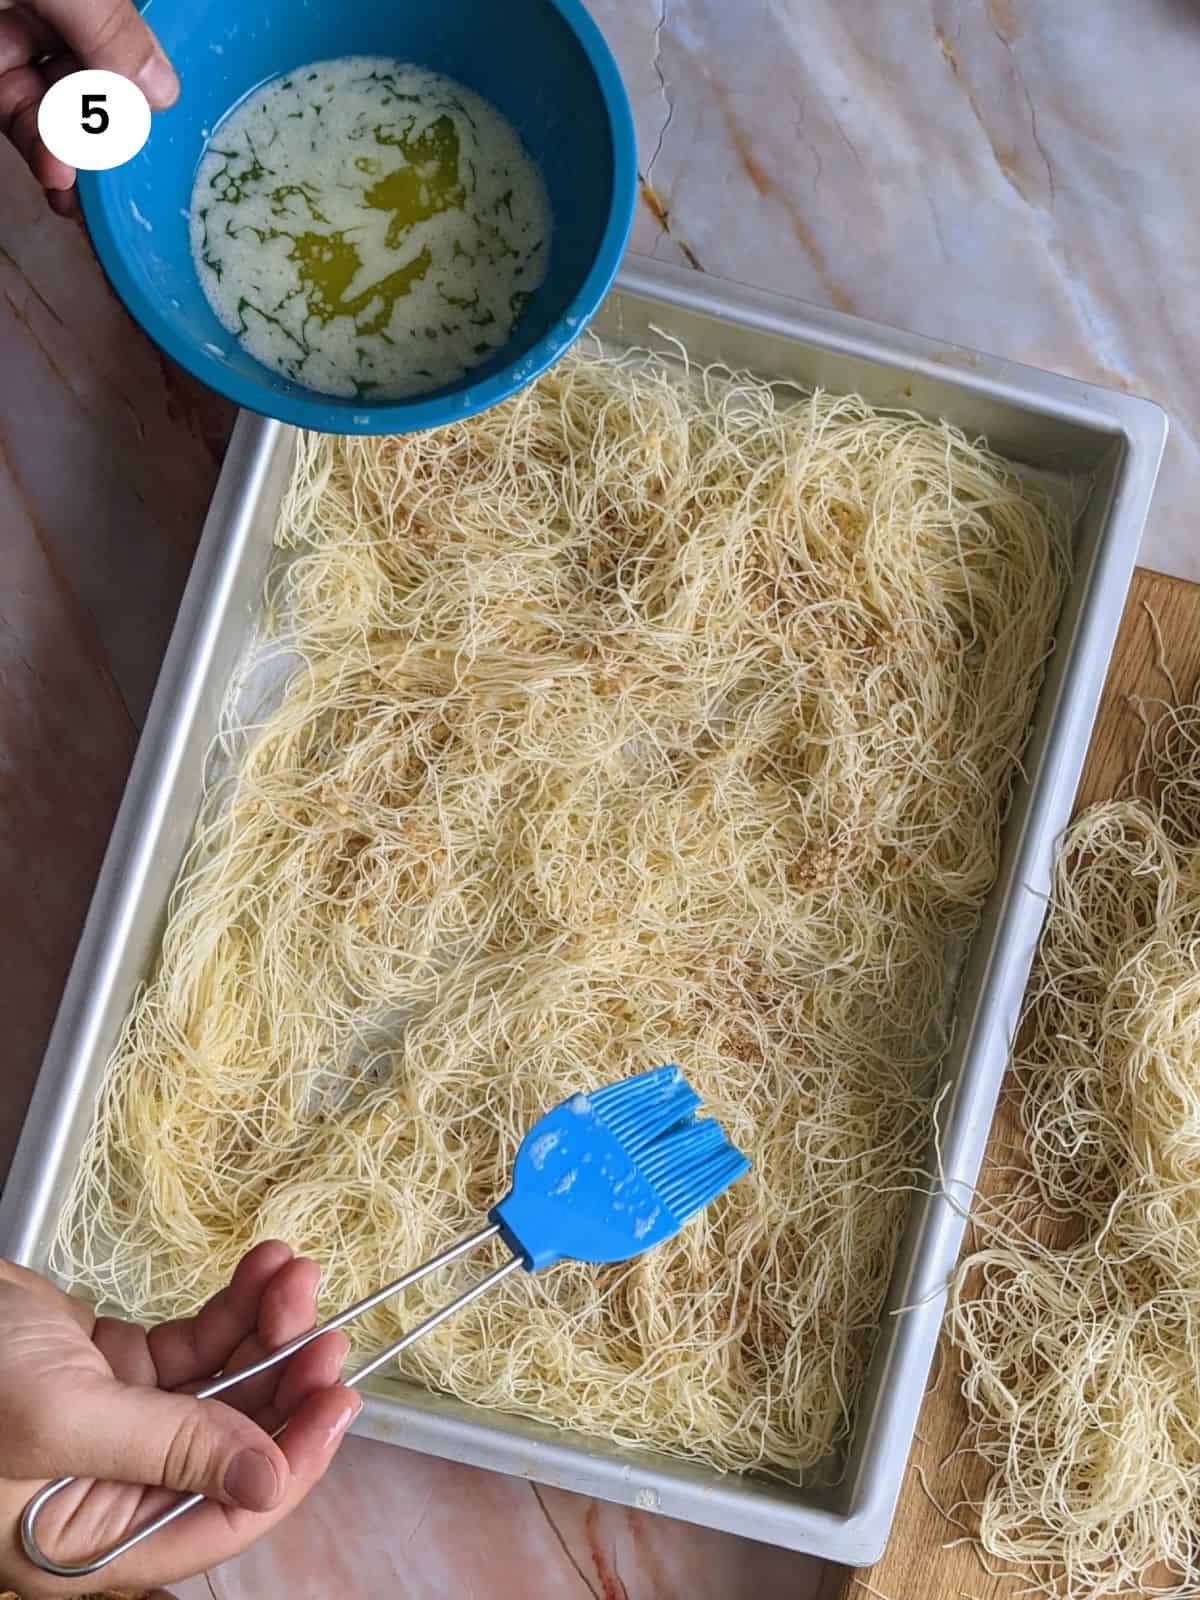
(1101, 446)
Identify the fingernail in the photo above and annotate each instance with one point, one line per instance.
(251, 1481)
(158, 82)
(345, 1417)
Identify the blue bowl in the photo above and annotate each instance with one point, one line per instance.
(543, 63)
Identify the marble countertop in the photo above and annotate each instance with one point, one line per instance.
(1016, 175)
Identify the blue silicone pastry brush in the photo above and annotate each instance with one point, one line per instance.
(602, 1177)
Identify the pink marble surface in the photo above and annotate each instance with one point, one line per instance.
(1005, 173)
(389, 1523)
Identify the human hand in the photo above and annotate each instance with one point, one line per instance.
(89, 1396)
(41, 41)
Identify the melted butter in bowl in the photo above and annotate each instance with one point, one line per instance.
(368, 227)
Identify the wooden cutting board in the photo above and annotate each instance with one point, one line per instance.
(917, 1565)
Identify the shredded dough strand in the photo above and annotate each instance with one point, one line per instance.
(651, 716)
(1082, 1358)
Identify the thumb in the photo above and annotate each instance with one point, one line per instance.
(129, 1434)
(110, 33)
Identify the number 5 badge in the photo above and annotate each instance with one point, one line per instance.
(94, 120)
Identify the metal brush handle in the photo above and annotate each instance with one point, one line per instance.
(85, 1569)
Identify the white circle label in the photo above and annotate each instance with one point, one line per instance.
(94, 120)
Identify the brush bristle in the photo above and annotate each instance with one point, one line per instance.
(687, 1161)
